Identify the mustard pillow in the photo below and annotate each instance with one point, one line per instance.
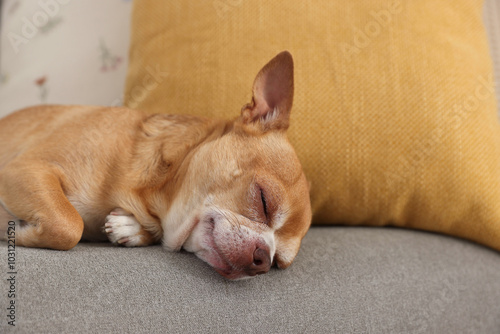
(394, 116)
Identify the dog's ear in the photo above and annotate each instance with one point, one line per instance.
(272, 95)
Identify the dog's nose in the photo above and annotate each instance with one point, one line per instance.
(261, 262)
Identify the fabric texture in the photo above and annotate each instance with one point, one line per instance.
(491, 16)
(344, 280)
(394, 117)
(64, 52)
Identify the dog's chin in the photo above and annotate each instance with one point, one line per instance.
(212, 255)
(202, 243)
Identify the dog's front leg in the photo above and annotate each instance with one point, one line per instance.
(122, 228)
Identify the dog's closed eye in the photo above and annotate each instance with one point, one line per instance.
(264, 204)
(259, 205)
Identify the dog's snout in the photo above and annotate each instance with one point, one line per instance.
(261, 262)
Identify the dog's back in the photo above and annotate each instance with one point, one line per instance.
(36, 127)
(23, 129)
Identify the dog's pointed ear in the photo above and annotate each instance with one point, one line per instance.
(272, 95)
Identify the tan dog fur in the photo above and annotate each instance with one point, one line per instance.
(73, 172)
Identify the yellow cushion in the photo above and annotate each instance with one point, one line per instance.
(394, 116)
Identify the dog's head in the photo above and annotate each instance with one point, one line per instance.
(251, 206)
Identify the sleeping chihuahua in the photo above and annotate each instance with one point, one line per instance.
(231, 191)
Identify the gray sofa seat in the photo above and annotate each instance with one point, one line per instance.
(344, 280)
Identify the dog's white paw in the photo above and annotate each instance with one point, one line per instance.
(123, 229)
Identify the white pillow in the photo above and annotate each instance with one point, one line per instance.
(63, 51)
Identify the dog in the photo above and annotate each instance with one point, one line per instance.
(233, 192)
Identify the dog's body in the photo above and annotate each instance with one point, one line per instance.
(233, 192)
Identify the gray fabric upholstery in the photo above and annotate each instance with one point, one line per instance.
(345, 280)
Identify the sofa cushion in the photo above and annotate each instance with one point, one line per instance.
(345, 280)
(394, 117)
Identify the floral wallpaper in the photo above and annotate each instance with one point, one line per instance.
(63, 52)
